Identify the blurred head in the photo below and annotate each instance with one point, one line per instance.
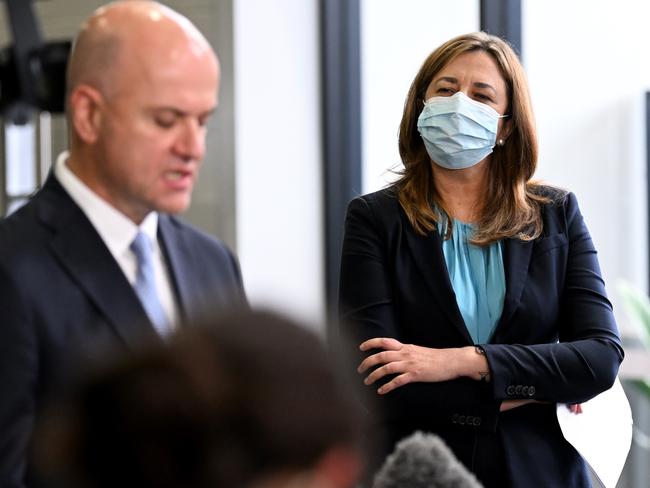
(478, 57)
(246, 400)
(142, 82)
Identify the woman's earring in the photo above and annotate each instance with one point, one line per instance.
(501, 142)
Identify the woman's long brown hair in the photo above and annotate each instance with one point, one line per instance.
(512, 206)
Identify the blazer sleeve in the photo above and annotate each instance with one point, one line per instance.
(240, 292)
(585, 361)
(367, 310)
(18, 370)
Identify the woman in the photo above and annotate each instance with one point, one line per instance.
(474, 293)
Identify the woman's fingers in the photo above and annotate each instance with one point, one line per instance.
(387, 343)
(575, 408)
(396, 382)
(407, 362)
(383, 357)
(389, 368)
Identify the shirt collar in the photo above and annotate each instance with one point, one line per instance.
(116, 229)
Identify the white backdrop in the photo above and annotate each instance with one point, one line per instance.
(278, 155)
(588, 81)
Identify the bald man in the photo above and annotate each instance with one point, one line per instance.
(96, 256)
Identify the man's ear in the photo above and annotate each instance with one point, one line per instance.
(86, 105)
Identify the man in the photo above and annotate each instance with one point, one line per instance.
(243, 400)
(94, 257)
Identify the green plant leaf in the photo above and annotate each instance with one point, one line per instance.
(643, 386)
(637, 307)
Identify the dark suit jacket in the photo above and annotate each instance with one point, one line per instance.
(556, 340)
(61, 290)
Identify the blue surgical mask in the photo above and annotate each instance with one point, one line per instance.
(458, 132)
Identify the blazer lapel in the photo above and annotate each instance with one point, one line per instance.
(427, 254)
(516, 259)
(81, 251)
(179, 256)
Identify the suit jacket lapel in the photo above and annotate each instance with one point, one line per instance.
(179, 256)
(516, 259)
(81, 251)
(427, 254)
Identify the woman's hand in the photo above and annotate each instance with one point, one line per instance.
(411, 363)
(575, 408)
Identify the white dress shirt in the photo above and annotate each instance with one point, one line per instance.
(118, 231)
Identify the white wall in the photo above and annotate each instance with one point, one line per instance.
(588, 76)
(278, 155)
(278, 132)
(396, 37)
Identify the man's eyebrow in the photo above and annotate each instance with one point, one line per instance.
(181, 113)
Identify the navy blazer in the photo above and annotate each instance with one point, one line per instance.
(556, 340)
(61, 290)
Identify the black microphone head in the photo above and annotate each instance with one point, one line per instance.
(423, 461)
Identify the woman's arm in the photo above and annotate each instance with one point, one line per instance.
(571, 371)
(368, 311)
(585, 361)
(409, 363)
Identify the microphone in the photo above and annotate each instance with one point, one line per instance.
(423, 461)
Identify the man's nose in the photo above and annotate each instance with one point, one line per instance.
(190, 143)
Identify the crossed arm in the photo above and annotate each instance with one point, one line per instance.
(409, 363)
(570, 371)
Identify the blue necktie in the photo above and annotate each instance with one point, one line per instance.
(145, 284)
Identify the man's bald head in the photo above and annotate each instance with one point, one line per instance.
(126, 35)
(142, 84)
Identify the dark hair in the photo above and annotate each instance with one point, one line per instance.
(513, 205)
(224, 404)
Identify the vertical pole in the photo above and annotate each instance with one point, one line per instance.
(503, 18)
(341, 75)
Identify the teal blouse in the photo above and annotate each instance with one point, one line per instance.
(478, 279)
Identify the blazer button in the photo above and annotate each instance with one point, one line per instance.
(531, 391)
(518, 390)
(461, 419)
(510, 390)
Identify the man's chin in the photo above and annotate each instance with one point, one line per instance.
(175, 207)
